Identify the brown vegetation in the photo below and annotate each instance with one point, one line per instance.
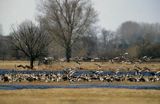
(80, 96)
(84, 65)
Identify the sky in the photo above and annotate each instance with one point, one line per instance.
(111, 13)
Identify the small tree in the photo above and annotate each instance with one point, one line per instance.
(31, 40)
(67, 21)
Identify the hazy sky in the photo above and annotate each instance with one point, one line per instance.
(111, 12)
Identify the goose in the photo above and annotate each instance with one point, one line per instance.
(131, 79)
(21, 66)
(59, 77)
(157, 73)
(99, 66)
(145, 69)
(99, 72)
(79, 64)
(141, 79)
(108, 79)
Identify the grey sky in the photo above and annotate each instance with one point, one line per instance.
(111, 12)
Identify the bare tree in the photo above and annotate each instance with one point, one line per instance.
(1, 43)
(29, 39)
(106, 36)
(67, 21)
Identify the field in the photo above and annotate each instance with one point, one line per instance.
(84, 65)
(80, 96)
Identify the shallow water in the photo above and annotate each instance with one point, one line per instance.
(17, 87)
(78, 72)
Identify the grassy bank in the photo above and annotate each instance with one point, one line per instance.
(80, 96)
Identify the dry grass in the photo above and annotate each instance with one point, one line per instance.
(80, 96)
(84, 65)
(12, 64)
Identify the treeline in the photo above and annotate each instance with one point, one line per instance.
(138, 39)
(7, 51)
(67, 29)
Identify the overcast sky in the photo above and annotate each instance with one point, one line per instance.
(111, 12)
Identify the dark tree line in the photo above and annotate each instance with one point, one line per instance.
(138, 39)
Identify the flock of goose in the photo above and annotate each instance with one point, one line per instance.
(76, 75)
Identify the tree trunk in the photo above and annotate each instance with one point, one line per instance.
(68, 53)
(31, 62)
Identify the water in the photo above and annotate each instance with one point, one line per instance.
(17, 87)
(78, 72)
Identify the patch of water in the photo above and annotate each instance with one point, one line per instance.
(17, 87)
(78, 72)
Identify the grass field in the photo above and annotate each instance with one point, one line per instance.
(84, 65)
(80, 96)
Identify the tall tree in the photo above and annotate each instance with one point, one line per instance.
(104, 46)
(1, 31)
(87, 45)
(130, 32)
(30, 40)
(67, 21)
